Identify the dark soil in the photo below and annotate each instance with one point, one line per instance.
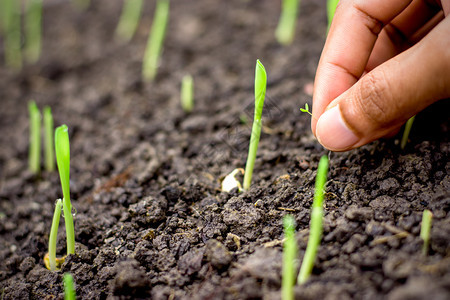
(151, 220)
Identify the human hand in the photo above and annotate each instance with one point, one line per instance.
(382, 63)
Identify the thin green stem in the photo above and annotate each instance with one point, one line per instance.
(129, 19)
(155, 40)
(34, 155)
(49, 149)
(54, 235)
(286, 26)
(69, 290)
(406, 132)
(62, 150)
(11, 28)
(425, 230)
(315, 233)
(289, 257)
(260, 94)
(187, 93)
(33, 30)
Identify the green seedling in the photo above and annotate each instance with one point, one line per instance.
(315, 233)
(49, 149)
(33, 30)
(69, 290)
(50, 259)
(306, 109)
(129, 19)
(34, 155)
(425, 230)
(406, 132)
(187, 93)
(286, 26)
(289, 259)
(62, 150)
(11, 30)
(331, 9)
(260, 94)
(155, 40)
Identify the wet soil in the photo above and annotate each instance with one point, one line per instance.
(151, 221)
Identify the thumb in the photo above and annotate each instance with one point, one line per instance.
(382, 100)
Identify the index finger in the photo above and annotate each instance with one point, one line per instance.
(355, 28)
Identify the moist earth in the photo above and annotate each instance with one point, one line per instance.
(151, 221)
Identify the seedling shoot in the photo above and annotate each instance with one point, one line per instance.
(406, 132)
(289, 259)
(33, 30)
(11, 30)
(331, 9)
(69, 290)
(425, 230)
(306, 109)
(187, 93)
(260, 94)
(315, 232)
(129, 19)
(54, 236)
(62, 150)
(49, 149)
(34, 155)
(286, 26)
(155, 40)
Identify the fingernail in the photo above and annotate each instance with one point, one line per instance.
(333, 133)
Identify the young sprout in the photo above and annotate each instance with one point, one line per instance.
(315, 232)
(155, 40)
(260, 94)
(62, 149)
(49, 149)
(129, 19)
(33, 30)
(69, 290)
(425, 230)
(286, 26)
(406, 132)
(34, 155)
(331, 8)
(187, 93)
(289, 257)
(11, 30)
(306, 109)
(54, 237)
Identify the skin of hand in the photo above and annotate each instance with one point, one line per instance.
(383, 62)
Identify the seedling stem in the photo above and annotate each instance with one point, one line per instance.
(331, 9)
(286, 26)
(315, 232)
(54, 235)
(260, 94)
(62, 149)
(34, 158)
(69, 290)
(155, 40)
(289, 259)
(425, 230)
(187, 93)
(33, 30)
(129, 19)
(406, 132)
(49, 149)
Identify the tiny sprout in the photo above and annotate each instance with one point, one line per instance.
(306, 109)
(155, 40)
(260, 94)
(316, 229)
(286, 26)
(129, 19)
(187, 93)
(69, 290)
(425, 230)
(10, 18)
(331, 9)
(62, 149)
(49, 149)
(33, 30)
(34, 155)
(406, 132)
(50, 259)
(289, 259)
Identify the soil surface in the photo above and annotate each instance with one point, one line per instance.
(151, 221)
